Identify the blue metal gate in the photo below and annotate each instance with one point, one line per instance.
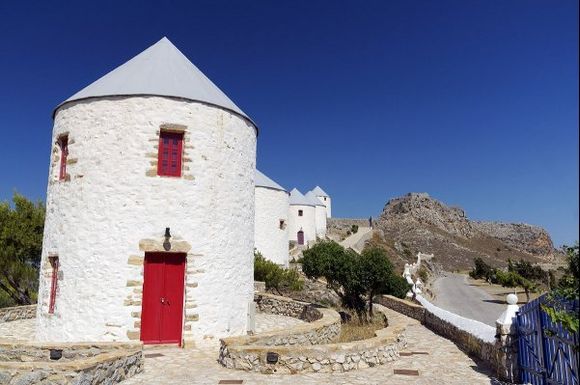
(547, 353)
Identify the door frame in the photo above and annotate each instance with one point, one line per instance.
(184, 255)
(298, 237)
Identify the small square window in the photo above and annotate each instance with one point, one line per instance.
(282, 224)
(300, 213)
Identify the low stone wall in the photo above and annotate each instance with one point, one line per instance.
(8, 314)
(402, 306)
(466, 341)
(481, 345)
(322, 331)
(274, 304)
(259, 286)
(95, 364)
(336, 357)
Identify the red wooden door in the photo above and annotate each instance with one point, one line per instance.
(300, 237)
(163, 286)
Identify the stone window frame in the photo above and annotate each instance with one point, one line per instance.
(170, 136)
(60, 163)
(62, 143)
(186, 146)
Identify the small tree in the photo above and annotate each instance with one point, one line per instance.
(482, 271)
(354, 277)
(513, 280)
(376, 270)
(339, 267)
(21, 231)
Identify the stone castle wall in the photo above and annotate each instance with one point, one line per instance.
(344, 224)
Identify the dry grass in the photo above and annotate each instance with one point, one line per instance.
(499, 292)
(356, 331)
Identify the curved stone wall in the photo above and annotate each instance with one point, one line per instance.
(83, 363)
(336, 357)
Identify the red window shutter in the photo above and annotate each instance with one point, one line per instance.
(53, 284)
(63, 144)
(170, 153)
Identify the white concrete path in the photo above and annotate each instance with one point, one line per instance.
(355, 238)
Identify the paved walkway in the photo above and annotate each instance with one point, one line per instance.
(18, 330)
(271, 322)
(356, 238)
(454, 293)
(444, 363)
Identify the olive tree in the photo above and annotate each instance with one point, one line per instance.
(21, 228)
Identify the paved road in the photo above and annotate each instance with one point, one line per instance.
(455, 294)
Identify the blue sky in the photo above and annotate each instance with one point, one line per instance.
(474, 102)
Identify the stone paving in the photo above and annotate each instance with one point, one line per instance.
(272, 322)
(444, 364)
(19, 330)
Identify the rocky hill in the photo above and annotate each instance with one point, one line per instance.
(416, 222)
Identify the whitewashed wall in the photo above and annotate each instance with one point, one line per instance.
(320, 218)
(270, 239)
(328, 203)
(95, 221)
(307, 223)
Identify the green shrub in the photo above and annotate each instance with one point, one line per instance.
(275, 277)
(423, 274)
(354, 229)
(567, 289)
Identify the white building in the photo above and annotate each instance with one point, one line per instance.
(301, 219)
(149, 229)
(325, 199)
(319, 214)
(271, 233)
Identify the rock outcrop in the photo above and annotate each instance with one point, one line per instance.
(416, 222)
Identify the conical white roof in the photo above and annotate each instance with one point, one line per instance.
(319, 192)
(262, 180)
(312, 198)
(160, 70)
(297, 199)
